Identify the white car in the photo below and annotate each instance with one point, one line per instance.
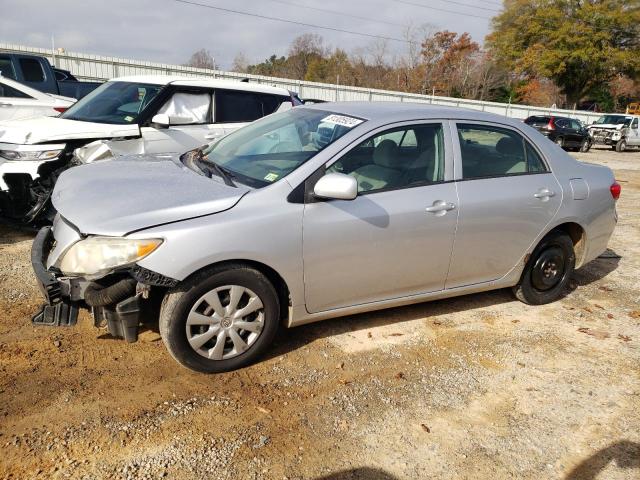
(129, 115)
(17, 101)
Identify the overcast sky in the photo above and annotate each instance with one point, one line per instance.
(168, 31)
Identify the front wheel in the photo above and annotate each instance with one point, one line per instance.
(220, 319)
(548, 270)
(560, 142)
(585, 146)
(621, 146)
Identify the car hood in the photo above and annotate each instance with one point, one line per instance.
(116, 197)
(53, 129)
(607, 126)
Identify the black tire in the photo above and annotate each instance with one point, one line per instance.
(559, 141)
(621, 146)
(548, 270)
(585, 146)
(179, 302)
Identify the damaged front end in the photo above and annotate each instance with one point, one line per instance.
(119, 298)
(28, 174)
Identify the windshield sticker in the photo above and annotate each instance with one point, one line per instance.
(271, 177)
(128, 118)
(343, 120)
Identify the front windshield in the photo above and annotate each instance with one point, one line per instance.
(117, 103)
(271, 148)
(614, 120)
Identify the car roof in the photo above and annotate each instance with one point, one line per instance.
(202, 82)
(400, 111)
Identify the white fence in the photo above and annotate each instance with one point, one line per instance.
(100, 68)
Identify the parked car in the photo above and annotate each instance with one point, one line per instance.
(37, 73)
(616, 131)
(318, 212)
(18, 101)
(129, 115)
(568, 133)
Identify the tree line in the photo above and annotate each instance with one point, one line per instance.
(569, 53)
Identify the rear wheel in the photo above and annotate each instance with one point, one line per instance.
(220, 319)
(548, 270)
(621, 146)
(585, 146)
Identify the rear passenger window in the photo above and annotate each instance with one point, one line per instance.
(493, 152)
(10, 92)
(398, 158)
(237, 106)
(31, 70)
(6, 68)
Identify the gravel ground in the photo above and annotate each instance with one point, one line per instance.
(480, 386)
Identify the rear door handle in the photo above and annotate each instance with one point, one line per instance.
(544, 193)
(2, 104)
(440, 207)
(211, 136)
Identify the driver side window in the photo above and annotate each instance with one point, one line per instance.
(398, 158)
(193, 107)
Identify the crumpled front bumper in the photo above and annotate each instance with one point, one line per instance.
(58, 310)
(121, 305)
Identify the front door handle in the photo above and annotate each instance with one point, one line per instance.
(212, 136)
(440, 207)
(544, 193)
(5, 104)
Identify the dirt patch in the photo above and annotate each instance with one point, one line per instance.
(479, 386)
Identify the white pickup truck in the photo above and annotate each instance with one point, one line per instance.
(129, 115)
(616, 131)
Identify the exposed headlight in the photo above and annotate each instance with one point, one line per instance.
(96, 255)
(30, 154)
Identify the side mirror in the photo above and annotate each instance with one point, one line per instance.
(336, 186)
(162, 120)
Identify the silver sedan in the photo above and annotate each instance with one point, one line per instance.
(314, 213)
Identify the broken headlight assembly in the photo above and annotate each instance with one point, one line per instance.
(30, 155)
(99, 255)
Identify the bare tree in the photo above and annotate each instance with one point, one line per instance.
(240, 63)
(202, 59)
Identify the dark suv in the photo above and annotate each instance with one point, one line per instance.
(568, 133)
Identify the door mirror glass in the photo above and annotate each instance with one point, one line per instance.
(336, 186)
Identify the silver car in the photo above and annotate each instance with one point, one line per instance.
(314, 213)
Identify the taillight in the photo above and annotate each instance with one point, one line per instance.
(615, 189)
(550, 125)
(60, 109)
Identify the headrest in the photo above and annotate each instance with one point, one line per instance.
(386, 153)
(509, 146)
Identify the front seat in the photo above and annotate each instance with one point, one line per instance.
(381, 173)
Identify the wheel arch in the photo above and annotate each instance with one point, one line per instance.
(578, 236)
(278, 282)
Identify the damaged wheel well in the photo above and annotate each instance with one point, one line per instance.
(577, 234)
